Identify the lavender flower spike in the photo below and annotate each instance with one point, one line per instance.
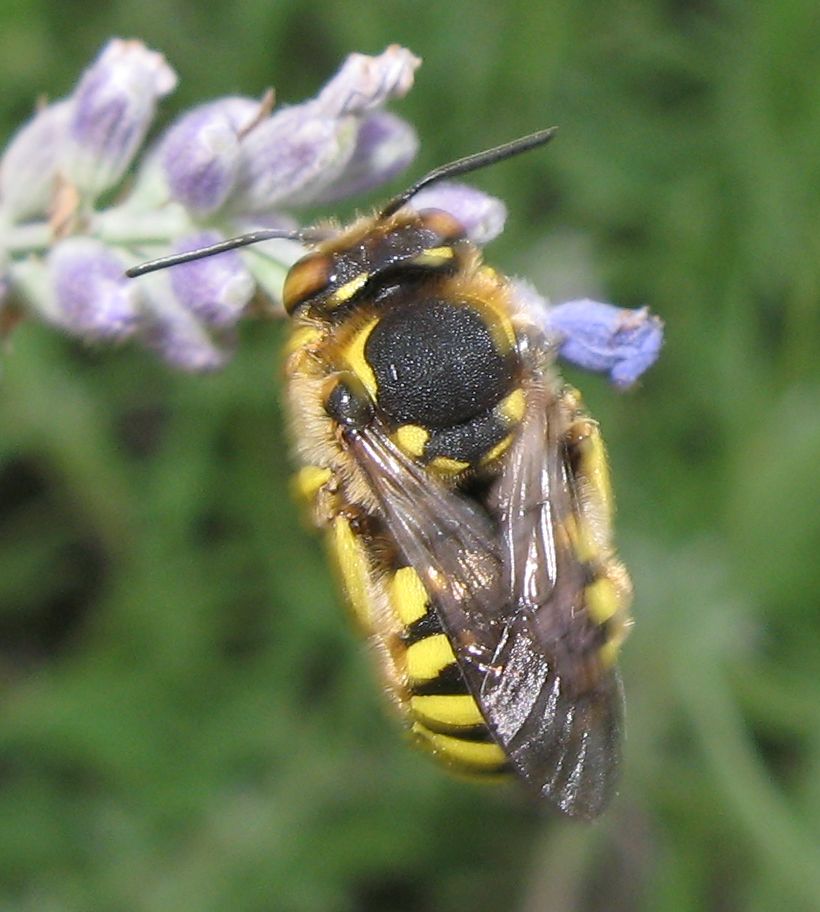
(225, 167)
(600, 337)
(112, 108)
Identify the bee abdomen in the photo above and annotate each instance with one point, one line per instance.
(445, 717)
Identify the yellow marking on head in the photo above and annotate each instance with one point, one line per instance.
(433, 256)
(430, 656)
(601, 600)
(307, 482)
(443, 465)
(408, 595)
(301, 337)
(412, 438)
(511, 409)
(353, 566)
(354, 355)
(345, 292)
(479, 755)
(497, 451)
(450, 711)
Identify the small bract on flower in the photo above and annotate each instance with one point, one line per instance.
(227, 166)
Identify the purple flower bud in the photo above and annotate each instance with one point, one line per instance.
(600, 337)
(113, 106)
(215, 289)
(175, 334)
(200, 153)
(28, 170)
(366, 83)
(482, 216)
(92, 297)
(385, 146)
(290, 158)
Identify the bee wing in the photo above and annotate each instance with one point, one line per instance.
(509, 590)
(564, 744)
(451, 543)
(553, 707)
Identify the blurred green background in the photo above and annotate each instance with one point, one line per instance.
(188, 723)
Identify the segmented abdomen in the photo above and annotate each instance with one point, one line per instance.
(393, 609)
(445, 717)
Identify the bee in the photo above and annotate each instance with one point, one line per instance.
(464, 494)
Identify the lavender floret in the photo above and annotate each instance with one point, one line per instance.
(216, 289)
(93, 299)
(111, 111)
(612, 340)
(201, 153)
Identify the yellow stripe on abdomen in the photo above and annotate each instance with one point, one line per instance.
(428, 658)
(408, 596)
(475, 757)
(447, 712)
(445, 717)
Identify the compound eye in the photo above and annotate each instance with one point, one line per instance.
(307, 278)
(447, 227)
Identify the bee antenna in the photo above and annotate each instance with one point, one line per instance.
(470, 163)
(242, 240)
(306, 236)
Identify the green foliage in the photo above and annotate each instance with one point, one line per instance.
(187, 721)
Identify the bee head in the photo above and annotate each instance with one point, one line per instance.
(373, 254)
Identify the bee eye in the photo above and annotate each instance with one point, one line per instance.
(309, 276)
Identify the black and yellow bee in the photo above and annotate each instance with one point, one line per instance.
(464, 494)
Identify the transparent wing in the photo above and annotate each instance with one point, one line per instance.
(509, 590)
(452, 544)
(555, 710)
